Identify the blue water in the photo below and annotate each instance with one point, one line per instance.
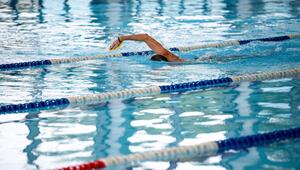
(43, 29)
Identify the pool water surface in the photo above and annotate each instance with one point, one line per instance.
(45, 29)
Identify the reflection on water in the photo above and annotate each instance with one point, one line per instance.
(41, 29)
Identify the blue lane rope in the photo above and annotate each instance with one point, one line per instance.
(257, 140)
(25, 64)
(195, 85)
(34, 105)
(152, 90)
(279, 38)
(30, 64)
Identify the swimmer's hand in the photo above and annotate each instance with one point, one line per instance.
(116, 44)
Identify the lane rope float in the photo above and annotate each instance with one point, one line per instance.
(147, 91)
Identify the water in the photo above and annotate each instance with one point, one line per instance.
(52, 29)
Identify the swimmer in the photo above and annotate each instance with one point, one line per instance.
(162, 54)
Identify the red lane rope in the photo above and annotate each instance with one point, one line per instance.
(98, 164)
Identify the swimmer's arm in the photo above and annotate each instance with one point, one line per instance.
(153, 44)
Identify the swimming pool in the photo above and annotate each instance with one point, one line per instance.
(35, 30)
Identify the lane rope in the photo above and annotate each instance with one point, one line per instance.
(147, 91)
(31, 64)
(199, 150)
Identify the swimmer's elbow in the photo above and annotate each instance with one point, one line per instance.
(146, 36)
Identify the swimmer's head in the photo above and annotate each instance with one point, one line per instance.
(158, 57)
